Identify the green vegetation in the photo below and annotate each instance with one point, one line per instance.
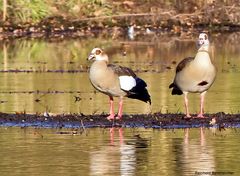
(24, 10)
(36, 10)
(168, 14)
(28, 10)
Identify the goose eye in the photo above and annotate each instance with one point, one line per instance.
(205, 36)
(98, 52)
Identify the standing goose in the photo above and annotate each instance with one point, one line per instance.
(115, 81)
(195, 75)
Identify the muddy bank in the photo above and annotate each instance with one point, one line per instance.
(117, 29)
(157, 121)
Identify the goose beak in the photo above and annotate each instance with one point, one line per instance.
(90, 57)
(200, 42)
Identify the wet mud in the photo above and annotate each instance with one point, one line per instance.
(156, 121)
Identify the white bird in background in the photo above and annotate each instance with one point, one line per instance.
(148, 31)
(131, 33)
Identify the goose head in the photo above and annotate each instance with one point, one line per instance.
(98, 55)
(203, 41)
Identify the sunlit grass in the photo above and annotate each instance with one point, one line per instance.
(27, 10)
(36, 10)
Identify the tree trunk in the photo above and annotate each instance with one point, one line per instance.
(4, 10)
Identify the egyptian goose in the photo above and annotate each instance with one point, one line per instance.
(115, 81)
(195, 75)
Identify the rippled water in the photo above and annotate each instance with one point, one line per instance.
(118, 151)
(48, 84)
(43, 83)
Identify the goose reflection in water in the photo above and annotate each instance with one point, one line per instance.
(118, 158)
(197, 156)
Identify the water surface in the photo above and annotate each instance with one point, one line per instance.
(118, 151)
(49, 86)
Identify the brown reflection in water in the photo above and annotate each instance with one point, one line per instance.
(5, 57)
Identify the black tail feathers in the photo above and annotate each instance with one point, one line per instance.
(139, 91)
(175, 89)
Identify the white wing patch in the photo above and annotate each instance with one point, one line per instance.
(127, 82)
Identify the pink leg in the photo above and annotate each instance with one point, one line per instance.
(186, 105)
(120, 135)
(200, 115)
(111, 116)
(112, 135)
(120, 109)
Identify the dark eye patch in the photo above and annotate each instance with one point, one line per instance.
(206, 37)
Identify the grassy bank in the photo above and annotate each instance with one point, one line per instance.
(22, 17)
(22, 11)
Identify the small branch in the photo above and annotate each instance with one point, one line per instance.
(171, 14)
(186, 14)
(84, 129)
(127, 15)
